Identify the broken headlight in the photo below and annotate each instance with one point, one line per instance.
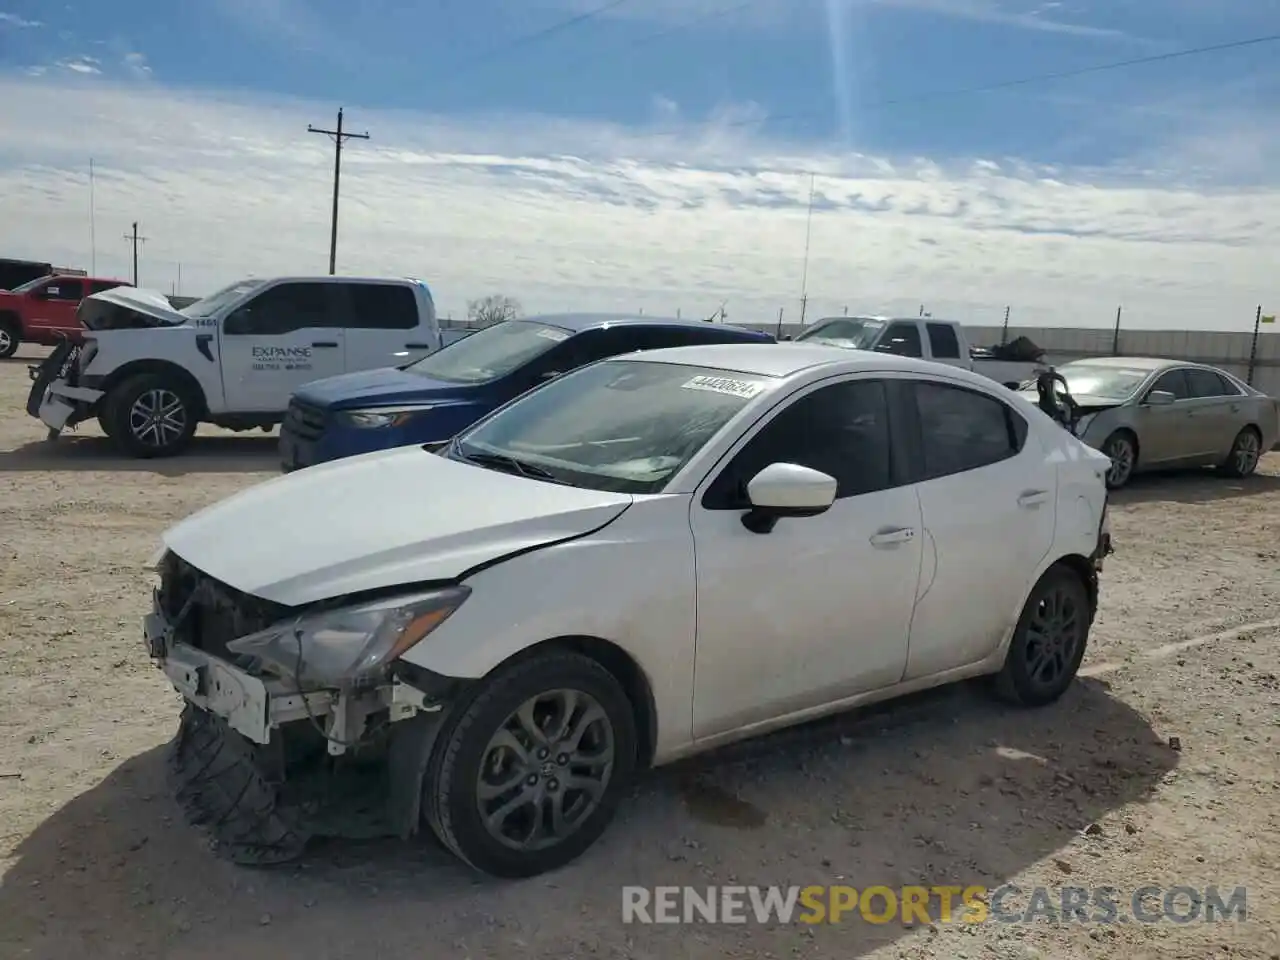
(350, 646)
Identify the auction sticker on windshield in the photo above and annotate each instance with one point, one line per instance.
(727, 385)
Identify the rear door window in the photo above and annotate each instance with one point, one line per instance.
(1207, 383)
(381, 306)
(963, 429)
(943, 341)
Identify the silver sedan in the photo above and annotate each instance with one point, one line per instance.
(1152, 414)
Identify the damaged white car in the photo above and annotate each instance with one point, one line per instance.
(649, 557)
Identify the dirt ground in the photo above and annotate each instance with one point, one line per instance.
(1159, 767)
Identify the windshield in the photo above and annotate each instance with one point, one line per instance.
(1104, 382)
(30, 285)
(216, 301)
(857, 333)
(491, 352)
(620, 425)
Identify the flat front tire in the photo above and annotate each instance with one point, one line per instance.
(1049, 641)
(530, 769)
(150, 415)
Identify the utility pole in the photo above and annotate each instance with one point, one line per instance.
(1004, 330)
(1253, 346)
(1115, 335)
(808, 235)
(135, 240)
(338, 136)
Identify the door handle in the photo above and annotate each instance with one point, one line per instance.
(892, 537)
(327, 344)
(417, 346)
(1033, 498)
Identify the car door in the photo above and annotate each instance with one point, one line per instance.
(901, 338)
(279, 339)
(988, 495)
(1216, 414)
(944, 345)
(55, 307)
(1164, 430)
(819, 608)
(382, 325)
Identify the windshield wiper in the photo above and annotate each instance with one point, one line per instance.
(500, 461)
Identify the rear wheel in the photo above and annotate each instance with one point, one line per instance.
(10, 337)
(150, 415)
(1048, 642)
(530, 772)
(1122, 448)
(1245, 453)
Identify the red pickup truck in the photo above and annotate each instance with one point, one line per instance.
(44, 310)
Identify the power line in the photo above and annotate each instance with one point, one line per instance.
(1002, 84)
(493, 53)
(338, 137)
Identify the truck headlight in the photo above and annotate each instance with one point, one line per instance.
(349, 646)
(384, 416)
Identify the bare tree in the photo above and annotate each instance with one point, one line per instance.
(492, 309)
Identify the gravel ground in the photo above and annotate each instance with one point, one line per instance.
(1159, 767)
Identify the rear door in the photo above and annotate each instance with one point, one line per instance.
(1165, 432)
(54, 307)
(383, 328)
(944, 345)
(283, 337)
(1216, 413)
(988, 495)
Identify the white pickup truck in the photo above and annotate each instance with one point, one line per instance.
(151, 373)
(940, 340)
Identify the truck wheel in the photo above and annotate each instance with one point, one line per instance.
(10, 337)
(150, 415)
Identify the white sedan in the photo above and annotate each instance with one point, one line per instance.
(652, 556)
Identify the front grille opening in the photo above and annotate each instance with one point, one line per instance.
(304, 421)
(218, 614)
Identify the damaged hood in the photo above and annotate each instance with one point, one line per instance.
(128, 308)
(380, 520)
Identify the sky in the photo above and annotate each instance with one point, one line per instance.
(659, 154)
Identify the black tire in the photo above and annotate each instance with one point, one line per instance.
(1246, 451)
(451, 788)
(1020, 681)
(1122, 448)
(123, 411)
(10, 337)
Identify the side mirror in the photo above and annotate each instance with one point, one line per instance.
(786, 490)
(1160, 398)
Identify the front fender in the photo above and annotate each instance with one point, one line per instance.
(631, 583)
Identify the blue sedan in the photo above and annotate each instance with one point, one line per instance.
(431, 400)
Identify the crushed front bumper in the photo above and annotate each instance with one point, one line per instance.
(55, 398)
(265, 768)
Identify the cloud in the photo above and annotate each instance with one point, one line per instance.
(86, 66)
(136, 65)
(565, 214)
(21, 23)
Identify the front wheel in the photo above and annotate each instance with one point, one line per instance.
(1048, 642)
(530, 772)
(149, 415)
(1245, 453)
(1123, 451)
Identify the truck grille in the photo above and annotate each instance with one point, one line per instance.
(218, 613)
(304, 421)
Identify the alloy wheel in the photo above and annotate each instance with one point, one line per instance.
(6, 342)
(158, 417)
(1247, 453)
(545, 770)
(1054, 636)
(1120, 450)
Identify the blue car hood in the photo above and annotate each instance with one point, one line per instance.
(384, 387)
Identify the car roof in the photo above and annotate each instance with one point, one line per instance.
(789, 359)
(1149, 364)
(590, 321)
